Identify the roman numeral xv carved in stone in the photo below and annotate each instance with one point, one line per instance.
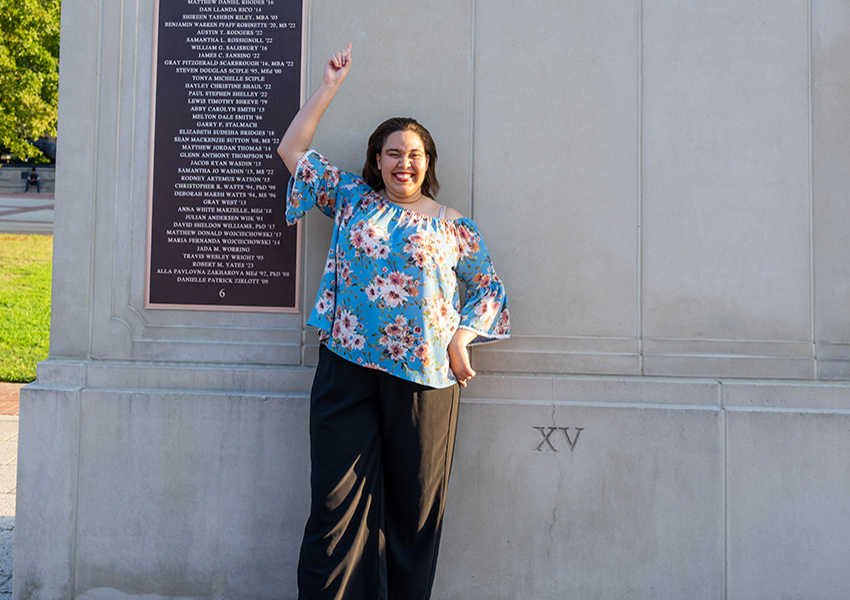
(547, 438)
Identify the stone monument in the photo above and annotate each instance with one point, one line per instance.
(662, 186)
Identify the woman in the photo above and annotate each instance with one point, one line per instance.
(394, 336)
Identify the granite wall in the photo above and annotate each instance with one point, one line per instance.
(663, 187)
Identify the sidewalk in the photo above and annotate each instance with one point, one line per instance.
(26, 213)
(9, 403)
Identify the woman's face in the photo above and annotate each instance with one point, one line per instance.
(403, 164)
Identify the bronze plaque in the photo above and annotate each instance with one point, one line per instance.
(227, 81)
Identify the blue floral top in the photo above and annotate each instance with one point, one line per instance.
(388, 297)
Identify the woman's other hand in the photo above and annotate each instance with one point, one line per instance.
(459, 356)
(337, 67)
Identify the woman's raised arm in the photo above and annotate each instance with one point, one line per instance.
(296, 141)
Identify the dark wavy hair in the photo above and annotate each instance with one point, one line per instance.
(371, 173)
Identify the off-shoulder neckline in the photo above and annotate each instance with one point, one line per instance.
(387, 202)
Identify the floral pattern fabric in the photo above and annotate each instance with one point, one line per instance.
(388, 297)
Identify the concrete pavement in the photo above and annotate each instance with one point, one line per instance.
(26, 213)
(9, 400)
(8, 476)
(8, 489)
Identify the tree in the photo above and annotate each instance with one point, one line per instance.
(29, 72)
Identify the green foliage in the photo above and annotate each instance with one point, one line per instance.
(29, 72)
(25, 278)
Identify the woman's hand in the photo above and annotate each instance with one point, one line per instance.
(300, 132)
(337, 67)
(459, 356)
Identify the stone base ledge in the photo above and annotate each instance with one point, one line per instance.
(118, 375)
(562, 485)
(754, 394)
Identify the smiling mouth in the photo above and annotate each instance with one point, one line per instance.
(403, 177)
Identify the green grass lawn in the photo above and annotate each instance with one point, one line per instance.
(25, 270)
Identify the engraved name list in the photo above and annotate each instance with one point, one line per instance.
(227, 82)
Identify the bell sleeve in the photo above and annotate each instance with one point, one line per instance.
(316, 183)
(485, 311)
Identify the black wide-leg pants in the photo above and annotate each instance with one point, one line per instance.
(381, 451)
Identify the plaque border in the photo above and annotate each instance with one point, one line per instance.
(149, 226)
